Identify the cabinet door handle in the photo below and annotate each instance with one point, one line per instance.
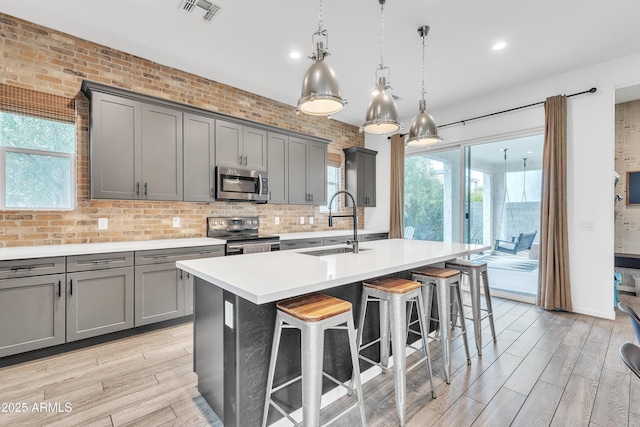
(180, 274)
(312, 197)
(59, 288)
(71, 287)
(137, 188)
(240, 159)
(145, 189)
(245, 160)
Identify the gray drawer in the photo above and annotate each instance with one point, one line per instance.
(157, 256)
(31, 267)
(99, 261)
(374, 236)
(337, 240)
(300, 243)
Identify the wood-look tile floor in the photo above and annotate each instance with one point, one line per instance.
(547, 368)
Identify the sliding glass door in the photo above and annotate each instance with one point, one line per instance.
(432, 199)
(485, 194)
(502, 183)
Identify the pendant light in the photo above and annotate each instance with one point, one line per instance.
(423, 131)
(320, 90)
(382, 113)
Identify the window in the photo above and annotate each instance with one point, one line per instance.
(37, 151)
(333, 185)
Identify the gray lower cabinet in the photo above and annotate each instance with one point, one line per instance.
(187, 283)
(32, 306)
(163, 292)
(307, 172)
(372, 236)
(301, 243)
(159, 295)
(277, 167)
(336, 240)
(100, 296)
(199, 158)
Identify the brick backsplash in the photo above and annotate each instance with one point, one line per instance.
(38, 58)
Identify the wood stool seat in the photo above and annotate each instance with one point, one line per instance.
(392, 285)
(438, 273)
(314, 307)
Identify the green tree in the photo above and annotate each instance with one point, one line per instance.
(39, 176)
(423, 199)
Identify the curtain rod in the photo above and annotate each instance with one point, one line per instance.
(463, 122)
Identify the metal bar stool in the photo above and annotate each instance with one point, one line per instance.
(443, 280)
(393, 295)
(313, 314)
(476, 273)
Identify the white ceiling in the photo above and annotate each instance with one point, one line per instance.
(247, 44)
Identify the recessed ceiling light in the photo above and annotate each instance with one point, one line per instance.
(295, 55)
(499, 46)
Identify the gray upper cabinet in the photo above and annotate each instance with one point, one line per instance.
(360, 175)
(199, 158)
(307, 172)
(277, 161)
(255, 148)
(161, 153)
(152, 149)
(116, 147)
(240, 146)
(136, 150)
(318, 173)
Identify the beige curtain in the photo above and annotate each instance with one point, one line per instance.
(554, 291)
(396, 220)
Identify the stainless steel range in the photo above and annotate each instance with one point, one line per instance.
(242, 235)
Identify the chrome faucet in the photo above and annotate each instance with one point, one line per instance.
(354, 242)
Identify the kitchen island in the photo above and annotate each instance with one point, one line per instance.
(235, 313)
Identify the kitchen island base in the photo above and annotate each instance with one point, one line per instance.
(232, 347)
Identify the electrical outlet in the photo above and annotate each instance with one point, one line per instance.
(103, 223)
(586, 224)
(176, 222)
(277, 220)
(310, 220)
(301, 220)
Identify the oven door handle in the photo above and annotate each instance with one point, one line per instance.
(260, 185)
(238, 247)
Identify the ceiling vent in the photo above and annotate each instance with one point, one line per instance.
(211, 10)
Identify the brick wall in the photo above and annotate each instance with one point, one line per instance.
(35, 57)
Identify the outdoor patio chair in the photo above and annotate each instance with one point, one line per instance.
(408, 232)
(521, 243)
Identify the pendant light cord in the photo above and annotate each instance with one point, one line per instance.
(320, 23)
(423, 91)
(381, 35)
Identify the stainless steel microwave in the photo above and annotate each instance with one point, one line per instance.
(241, 185)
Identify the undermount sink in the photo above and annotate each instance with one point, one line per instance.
(332, 251)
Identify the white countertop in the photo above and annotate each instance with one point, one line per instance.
(23, 252)
(271, 276)
(327, 233)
